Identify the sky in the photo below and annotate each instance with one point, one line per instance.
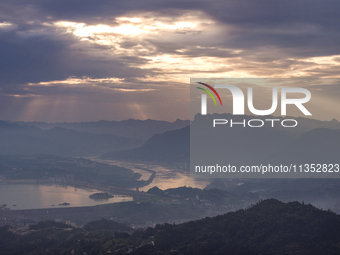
(82, 60)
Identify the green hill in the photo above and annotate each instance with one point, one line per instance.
(269, 227)
(106, 225)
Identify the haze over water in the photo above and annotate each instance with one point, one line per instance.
(166, 177)
(32, 196)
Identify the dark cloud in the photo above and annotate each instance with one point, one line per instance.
(260, 38)
(304, 24)
(299, 28)
(30, 57)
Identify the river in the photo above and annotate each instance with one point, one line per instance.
(33, 196)
(166, 177)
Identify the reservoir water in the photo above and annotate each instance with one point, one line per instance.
(33, 196)
(166, 177)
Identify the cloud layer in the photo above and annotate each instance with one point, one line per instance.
(73, 60)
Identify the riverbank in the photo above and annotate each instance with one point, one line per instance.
(166, 176)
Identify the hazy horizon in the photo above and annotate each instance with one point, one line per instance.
(171, 120)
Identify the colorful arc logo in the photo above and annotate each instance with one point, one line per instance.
(208, 92)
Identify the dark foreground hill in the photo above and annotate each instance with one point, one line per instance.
(269, 227)
(106, 225)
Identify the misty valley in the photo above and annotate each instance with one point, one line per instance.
(117, 187)
(169, 127)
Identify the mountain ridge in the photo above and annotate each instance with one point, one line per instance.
(140, 129)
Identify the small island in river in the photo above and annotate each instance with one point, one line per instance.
(64, 204)
(100, 196)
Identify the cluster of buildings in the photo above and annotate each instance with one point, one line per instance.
(17, 223)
